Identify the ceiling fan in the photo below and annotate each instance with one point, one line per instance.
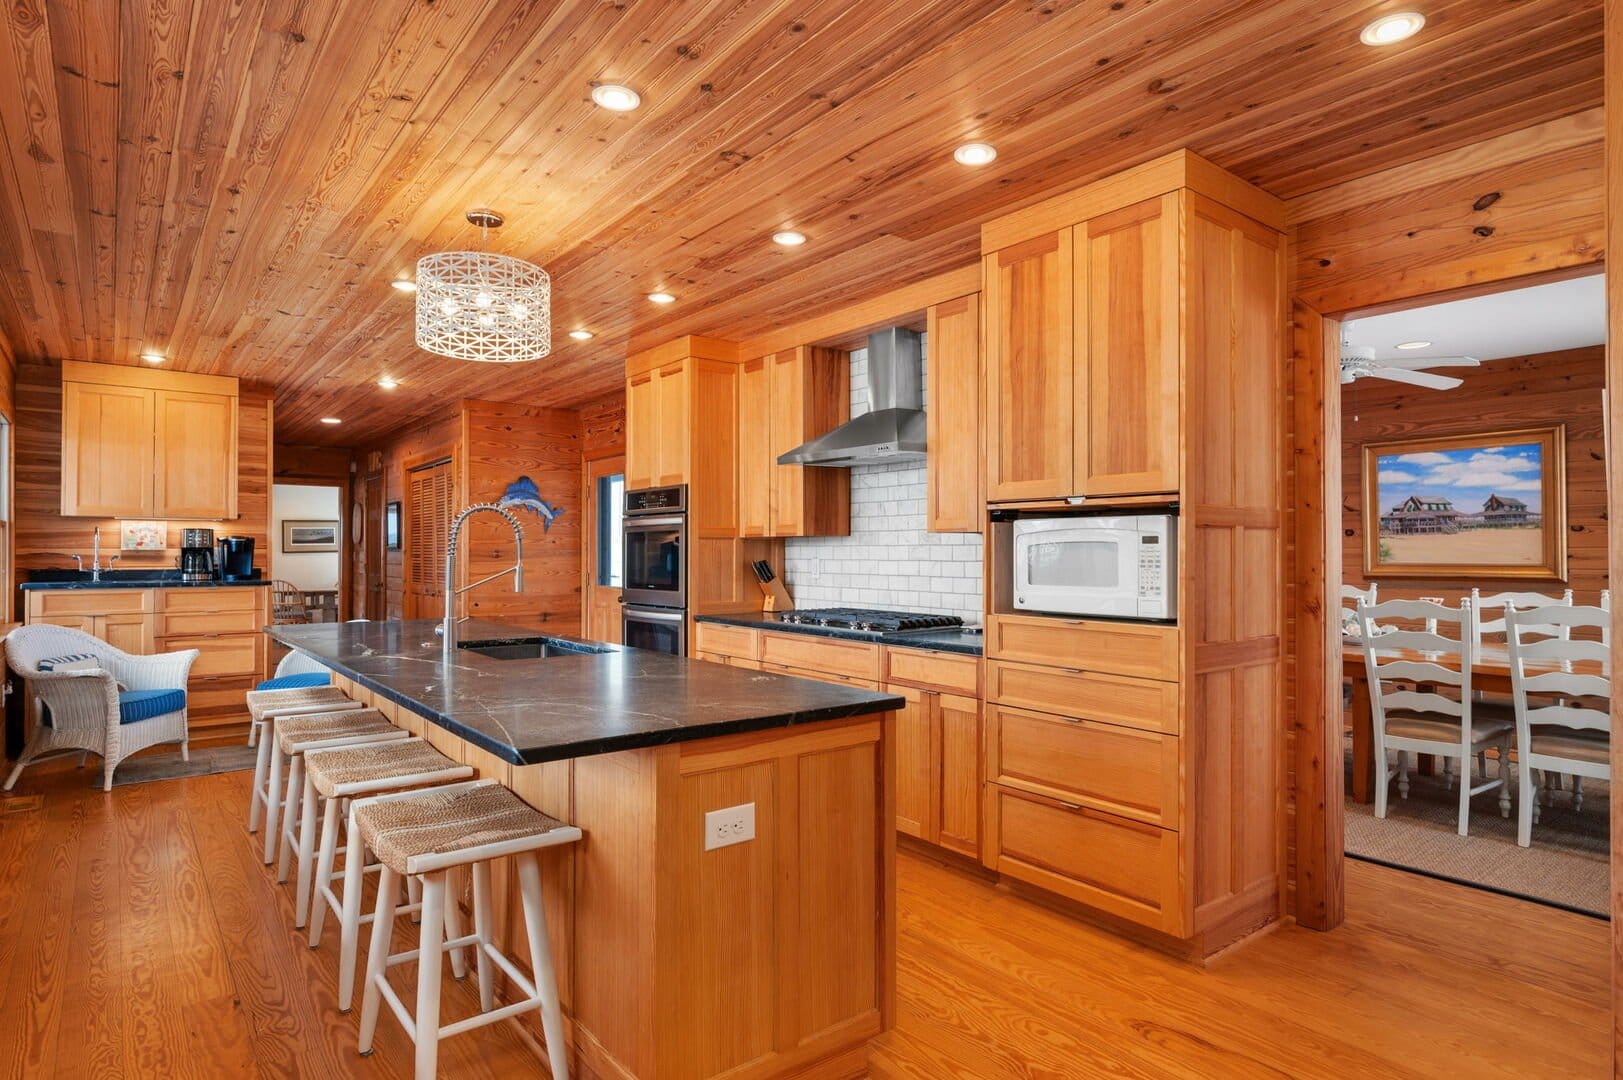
(1358, 362)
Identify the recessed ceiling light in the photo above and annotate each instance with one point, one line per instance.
(387, 383)
(1412, 345)
(581, 335)
(789, 238)
(153, 357)
(331, 420)
(975, 153)
(1391, 29)
(616, 98)
(661, 297)
(404, 285)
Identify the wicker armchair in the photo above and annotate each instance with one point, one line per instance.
(84, 705)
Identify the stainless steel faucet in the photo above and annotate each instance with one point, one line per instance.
(95, 557)
(448, 626)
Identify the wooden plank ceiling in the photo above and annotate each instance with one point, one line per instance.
(235, 182)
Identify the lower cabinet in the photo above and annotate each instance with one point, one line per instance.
(222, 624)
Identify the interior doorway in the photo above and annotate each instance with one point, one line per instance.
(430, 505)
(309, 526)
(1472, 460)
(604, 484)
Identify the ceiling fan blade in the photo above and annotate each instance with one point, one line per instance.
(1413, 362)
(1417, 378)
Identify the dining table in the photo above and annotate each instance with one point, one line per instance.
(1490, 674)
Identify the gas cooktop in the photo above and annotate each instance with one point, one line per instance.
(870, 621)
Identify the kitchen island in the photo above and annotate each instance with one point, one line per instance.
(774, 956)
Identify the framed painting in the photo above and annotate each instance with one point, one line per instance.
(1491, 505)
(306, 536)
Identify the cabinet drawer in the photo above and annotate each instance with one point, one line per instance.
(1120, 770)
(240, 654)
(1118, 648)
(727, 640)
(48, 603)
(951, 672)
(819, 676)
(1124, 867)
(1114, 699)
(192, 623)
(856, 659)
(225, 598)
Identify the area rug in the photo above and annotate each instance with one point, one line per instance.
(1566, 865)
(168, 766)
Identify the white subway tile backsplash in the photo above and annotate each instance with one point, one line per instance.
(890, 559)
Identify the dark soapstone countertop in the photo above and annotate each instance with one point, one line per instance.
(125, 579)
(589, 698)
(967, 642)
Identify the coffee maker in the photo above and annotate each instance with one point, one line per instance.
(236, 559)
(197, 555)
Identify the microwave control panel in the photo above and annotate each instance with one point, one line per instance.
(1151, 576)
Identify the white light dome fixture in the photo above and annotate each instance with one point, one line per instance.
(477, 305)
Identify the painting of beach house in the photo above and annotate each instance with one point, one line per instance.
(1466, 506)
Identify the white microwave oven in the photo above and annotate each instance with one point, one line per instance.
(1117, 567)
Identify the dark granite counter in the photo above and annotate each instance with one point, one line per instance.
(955, 641)
(586, 698)
(126, 579)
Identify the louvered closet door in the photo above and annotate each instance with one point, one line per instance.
(428, 526)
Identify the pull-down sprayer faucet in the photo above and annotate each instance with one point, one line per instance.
(448, 626)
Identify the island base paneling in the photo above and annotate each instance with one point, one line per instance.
(668, 968)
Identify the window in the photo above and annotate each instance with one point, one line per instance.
(611, 501)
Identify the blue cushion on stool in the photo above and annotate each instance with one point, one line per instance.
(297, 682)
(137, 705)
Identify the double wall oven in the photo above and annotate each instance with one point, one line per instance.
(654, 582)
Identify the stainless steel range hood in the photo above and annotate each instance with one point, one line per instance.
(894, 429)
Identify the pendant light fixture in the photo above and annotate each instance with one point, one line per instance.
(477, 305)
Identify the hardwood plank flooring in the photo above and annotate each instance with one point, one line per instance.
(139, 936)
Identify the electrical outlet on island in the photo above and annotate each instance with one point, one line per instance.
(731, 825)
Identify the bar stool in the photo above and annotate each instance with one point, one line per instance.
(263, 707)
(290, 737)
(342, 775)
(426, 835)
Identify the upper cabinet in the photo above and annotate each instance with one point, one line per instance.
(953, 416)
(786, 399)
(139, 443)
(1029, 356)
(681, 422)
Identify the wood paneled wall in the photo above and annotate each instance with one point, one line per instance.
(1528, 391)
(328, 463)
(503, 442)
(44, 538)
(1525, 203)
(603, 425)
(386, 462)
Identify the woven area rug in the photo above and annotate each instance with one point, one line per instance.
(1566, 866)
(166, 764)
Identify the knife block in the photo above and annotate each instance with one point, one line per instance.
(774, 597)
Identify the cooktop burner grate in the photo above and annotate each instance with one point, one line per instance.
(872, 621)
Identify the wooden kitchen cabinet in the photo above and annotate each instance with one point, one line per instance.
(1029, 394)
(953, 417)
(917, 777)
(139, 443)
(808, 394)
(658, 426)
(642, 431)
(756, 463)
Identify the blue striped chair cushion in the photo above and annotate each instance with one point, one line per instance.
(71, 662)
(136, 705)
(297, 682)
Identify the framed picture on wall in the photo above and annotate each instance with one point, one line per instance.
(1491, 505)
(391, 526)
(309, 536)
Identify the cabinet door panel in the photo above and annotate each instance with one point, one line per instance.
(131, 632)
(195, 446)
(953, 416)
(672, 386)
(642, 431)
(959, 739)
(917, 776)
(107, 450)
(811, 395)
(755, 458)
(1127, 334)
(1029, 369)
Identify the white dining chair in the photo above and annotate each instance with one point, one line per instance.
(1484, 607)
(1563, 714)
(1407, 671)
(1351, 597)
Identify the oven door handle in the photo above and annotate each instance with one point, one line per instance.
(654, 614)
(645, 523)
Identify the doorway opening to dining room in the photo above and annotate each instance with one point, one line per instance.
(1474, 595)
(309, 522)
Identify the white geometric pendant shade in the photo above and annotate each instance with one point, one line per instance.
(476, 305)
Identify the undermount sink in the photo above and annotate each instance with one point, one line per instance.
(526, 650)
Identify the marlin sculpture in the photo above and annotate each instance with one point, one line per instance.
(522, 494)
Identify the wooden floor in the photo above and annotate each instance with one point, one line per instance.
(139, 936)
